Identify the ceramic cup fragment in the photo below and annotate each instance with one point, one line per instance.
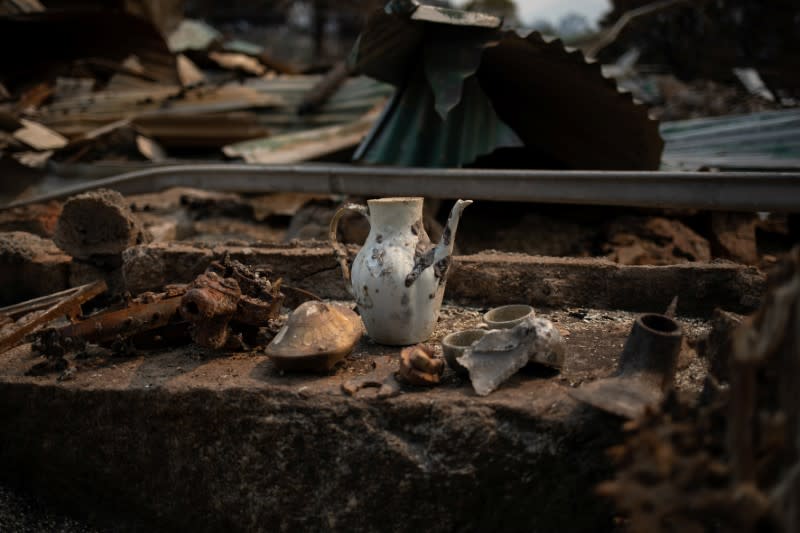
(502, 352)
(454, 344)
(507, 316)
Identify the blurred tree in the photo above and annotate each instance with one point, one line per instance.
(706, 40)
(543, 26)
(573, 25)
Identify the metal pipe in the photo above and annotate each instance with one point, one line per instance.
(733, 191)
(645, 372)
(651, 350)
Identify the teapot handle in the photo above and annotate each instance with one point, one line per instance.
(338, 248)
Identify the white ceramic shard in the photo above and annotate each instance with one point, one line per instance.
(548, 346)
(502, 352)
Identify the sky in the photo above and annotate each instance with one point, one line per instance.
(553, 10)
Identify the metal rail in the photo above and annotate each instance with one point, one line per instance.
(734, 191)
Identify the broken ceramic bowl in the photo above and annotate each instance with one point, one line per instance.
(316, 337)
(454, 344)
(508, 316)
(502, 352)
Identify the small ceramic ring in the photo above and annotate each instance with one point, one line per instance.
(508, 316)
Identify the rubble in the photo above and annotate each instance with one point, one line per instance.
(30, 266)
(705, 40)
(229, 292)
(38, 219)
(180, 298)
(739, 449)
(735, 236)
(654, 241)
(142, 315)
(225, 308)
(98, 224)
(68, 304)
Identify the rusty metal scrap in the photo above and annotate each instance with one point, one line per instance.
(136, 318)
(646, 369)
(260, 299)
(68, 305)
(37, 304)
(229, 292)
(228, 298)
(209, 304)
(305, 145)
(419, 366)
(150, 312)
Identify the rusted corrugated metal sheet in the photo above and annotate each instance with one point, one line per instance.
(768, 140)
(204, 130)
(304, 145)
(78, 115)
(12, 7)
(274, 101)
(36, 44)
(355, 97)
(558, 104)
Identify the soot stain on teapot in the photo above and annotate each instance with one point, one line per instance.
(420, 264)
(447, 235)
(441, 268)
(423, 253)
(367, 300)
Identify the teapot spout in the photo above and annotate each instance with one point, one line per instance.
(444, 250)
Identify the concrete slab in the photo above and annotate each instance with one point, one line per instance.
(484, 279)
(185, 439)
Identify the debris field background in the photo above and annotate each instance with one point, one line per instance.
(132, 86)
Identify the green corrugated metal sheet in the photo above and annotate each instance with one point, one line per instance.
(355, 97)
(759, 140)
(415, 135)
(558, 104)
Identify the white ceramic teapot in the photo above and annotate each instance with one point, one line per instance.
(398, 276)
